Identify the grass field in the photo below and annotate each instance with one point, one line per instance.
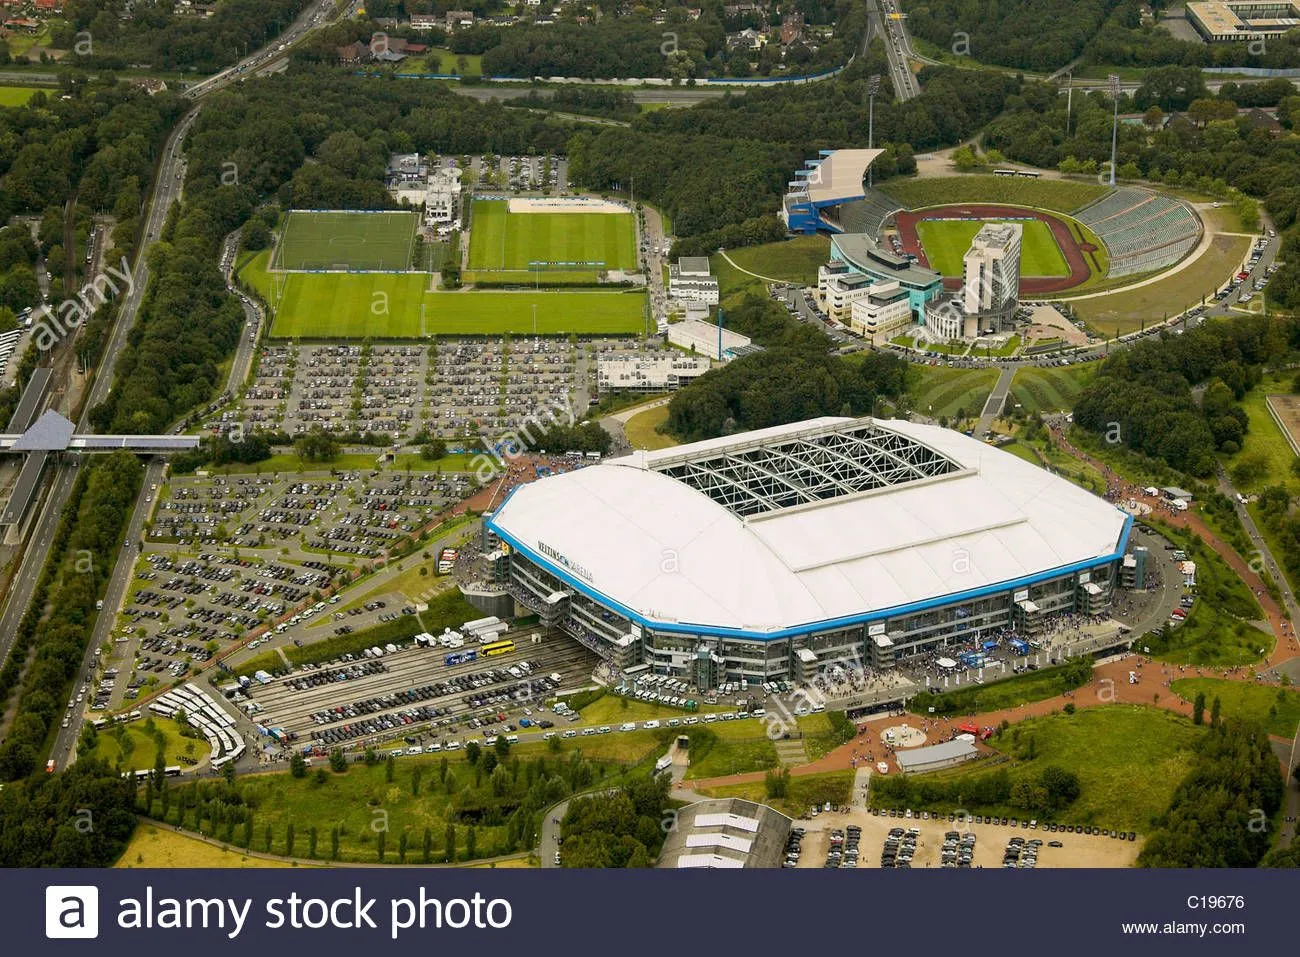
(500, 239)
(1129, 759)
(1063, 196)
(335, 240)
(803, 792)
(143, 749)
(153, 846)
(996, 695)
(1126, 310)
(17, 95)
(946, 241)
(1277, 709)
(337, 305)
(793, 260)
(445, 62)
(1051, 389)
(942, 391)
(641, 432)
(1264, 443)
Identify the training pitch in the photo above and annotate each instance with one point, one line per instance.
(355, 306)
(946, 241)
(502, 240)
(346, 240)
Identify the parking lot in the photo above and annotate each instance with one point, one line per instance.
(227, 554)
(402, 391)
(359, 700)
(979, 842)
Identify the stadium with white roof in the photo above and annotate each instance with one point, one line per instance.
(760, 555)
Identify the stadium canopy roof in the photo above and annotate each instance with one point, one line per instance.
(837, 177)
(827, 522)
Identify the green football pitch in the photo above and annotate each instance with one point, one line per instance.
(346, 240)
(946, 241)
(502, 240)
(351, 305)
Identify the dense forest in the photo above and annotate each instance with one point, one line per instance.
(793, 379)
(114, 34)
(1221, 812)
(725, 163)
(82, 817)
(58, 622)
(1045, 35)
(1177, 398)
(617, 829)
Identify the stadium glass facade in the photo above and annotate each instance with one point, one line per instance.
(880, 639)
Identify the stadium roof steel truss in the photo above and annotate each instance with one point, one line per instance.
(767, 477)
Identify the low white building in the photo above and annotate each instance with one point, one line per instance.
(885, 312)
(842, 291)
(689, 281)
(661, 373)
(702, 338)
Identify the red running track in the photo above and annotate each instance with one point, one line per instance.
(1075, 257)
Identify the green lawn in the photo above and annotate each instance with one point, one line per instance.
(1128, 759)
(732, 283)
(997, 695)
(802, 793)
(316, 306)
(500, 239)
(448, 63)
(312, 240)
(793, 260)
(1051, 389)
(362, 803)
(18, 95)
(1277, 709)
(1264, 447)
(1062, 196)
(942, 391)
(641, 427)
(946, 242)
(1124, 311)
(143, 748)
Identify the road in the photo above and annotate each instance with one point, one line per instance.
(997, 399)
(674, 96)
(167, 189)
(897, 47)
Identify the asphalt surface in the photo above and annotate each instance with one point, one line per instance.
(897, 47)
(167, 189)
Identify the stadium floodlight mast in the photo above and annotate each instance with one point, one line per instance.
(873, 87)
(1069, 99)
(1114, 129)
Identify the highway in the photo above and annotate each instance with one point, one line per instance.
(167, 189)
(897, 47)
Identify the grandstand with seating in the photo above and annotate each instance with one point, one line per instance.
(866, 215)
(833, 179)
(1143, 231)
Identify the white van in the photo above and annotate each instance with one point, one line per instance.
(629, 726)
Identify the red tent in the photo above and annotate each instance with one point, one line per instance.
(968, 728)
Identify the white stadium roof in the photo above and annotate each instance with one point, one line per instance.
(812, 522)
(838, 177)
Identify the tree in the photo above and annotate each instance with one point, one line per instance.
(501, 747)
(449, 843)
(1198, 708)
(380, 844)
(1154, 118)
(416, 773)
(288, 839)
(390, 769)
(334, 843)
(401, 848)
(1214, 712)
(433, 450)
(311, 841)
(298, 766)
(338, 763)
(428, 847)
(471, 844)
(472, 752)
